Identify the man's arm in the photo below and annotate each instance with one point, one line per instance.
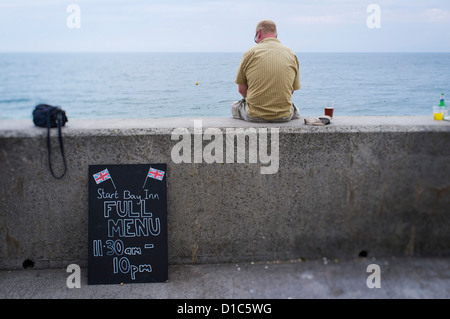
(243, 90)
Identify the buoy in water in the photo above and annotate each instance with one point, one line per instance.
(196, 83)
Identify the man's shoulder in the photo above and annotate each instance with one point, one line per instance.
(248, 54)
(271, 45)
(250, 51)
(281, 46)
(275, 44)
(288, 51)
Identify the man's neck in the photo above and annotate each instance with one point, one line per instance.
(269, 35)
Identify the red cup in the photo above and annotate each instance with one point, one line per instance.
(329, 111)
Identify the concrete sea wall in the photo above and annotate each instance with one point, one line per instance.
(363, 185)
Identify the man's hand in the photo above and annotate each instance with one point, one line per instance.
(243, 90)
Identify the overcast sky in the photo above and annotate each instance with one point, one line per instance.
(223, 26)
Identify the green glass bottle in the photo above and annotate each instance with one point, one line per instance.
(442, 102)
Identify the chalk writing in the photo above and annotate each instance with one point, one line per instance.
(124, 266)
(133, 227)
(125, 209)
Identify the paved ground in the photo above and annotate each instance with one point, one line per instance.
(400, 278)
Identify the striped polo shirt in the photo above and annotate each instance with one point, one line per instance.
(271, 72)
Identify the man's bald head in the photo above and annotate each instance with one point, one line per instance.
(267, 27)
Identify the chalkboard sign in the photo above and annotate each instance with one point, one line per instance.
(127, 224)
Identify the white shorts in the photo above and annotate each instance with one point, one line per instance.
(239, 111)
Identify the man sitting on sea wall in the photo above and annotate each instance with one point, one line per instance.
(267, 77)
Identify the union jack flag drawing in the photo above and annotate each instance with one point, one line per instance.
(155, 174)
(102, 176)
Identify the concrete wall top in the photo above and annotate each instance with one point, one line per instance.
(98, 127)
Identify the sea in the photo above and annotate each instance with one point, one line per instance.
(195, 85)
